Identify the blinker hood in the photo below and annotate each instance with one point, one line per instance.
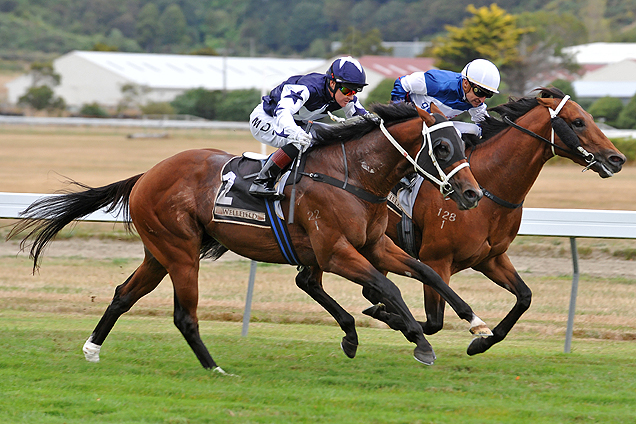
(565, 133)
(446, 133)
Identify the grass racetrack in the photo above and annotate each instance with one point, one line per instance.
(290, 368)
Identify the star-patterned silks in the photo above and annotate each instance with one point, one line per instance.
(295, 95)
(281, 134)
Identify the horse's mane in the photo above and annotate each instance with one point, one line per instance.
(354, 129)
(514, 109)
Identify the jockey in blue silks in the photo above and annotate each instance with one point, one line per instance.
(453, 93)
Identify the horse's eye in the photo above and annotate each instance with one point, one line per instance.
(442, 150)
(578, 123)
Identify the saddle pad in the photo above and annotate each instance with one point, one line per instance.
(233, 202)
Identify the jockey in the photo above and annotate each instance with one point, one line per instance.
(451, 92)
(277, 120)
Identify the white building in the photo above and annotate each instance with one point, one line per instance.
(98, 77)
(88, 77)
(610, 70)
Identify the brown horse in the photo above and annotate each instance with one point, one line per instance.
(506, 163)
(335, 230)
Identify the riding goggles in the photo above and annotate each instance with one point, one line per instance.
(480, 92)
(347, 91)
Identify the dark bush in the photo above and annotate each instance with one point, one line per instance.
(93, 110)
(607, 108)
(216, 105)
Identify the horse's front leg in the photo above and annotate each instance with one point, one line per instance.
(388, 257)
(434, 305)
(346, 261)
(309, 279)
(501, 271)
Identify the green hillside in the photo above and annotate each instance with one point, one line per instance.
(268, 27)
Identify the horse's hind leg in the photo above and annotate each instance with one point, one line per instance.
(310, 281)
(144, 280)
(186, 296)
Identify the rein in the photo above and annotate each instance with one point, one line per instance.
(565, 133)
(444, 180)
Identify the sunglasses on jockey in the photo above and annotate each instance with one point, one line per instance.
(480, 92)
(350, 90)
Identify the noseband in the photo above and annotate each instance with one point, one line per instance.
(565, 133)
(444, 179)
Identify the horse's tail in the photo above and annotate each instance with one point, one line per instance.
(45, 217)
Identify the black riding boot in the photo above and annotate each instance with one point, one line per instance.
(263, 185)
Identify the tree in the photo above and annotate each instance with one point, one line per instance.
(42, 73)
(237, 105)
(148, 27)
(93, 110)
(41, 98)
(607, 108)
(358, 44)
(627, 117)
(133, 96)
(198, 102)
(305, 24)
(490, 33)
(40, 95)
(173, 26)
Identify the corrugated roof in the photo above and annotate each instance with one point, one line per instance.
(169, 71)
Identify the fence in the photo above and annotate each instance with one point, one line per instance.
(572, 223)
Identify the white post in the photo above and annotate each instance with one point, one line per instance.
(248, 299)
(575, 287)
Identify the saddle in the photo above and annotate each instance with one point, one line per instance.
(233, 203)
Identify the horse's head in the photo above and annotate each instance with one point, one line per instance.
(579, 137)
(442, 160)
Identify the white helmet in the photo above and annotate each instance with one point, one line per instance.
(483, 73)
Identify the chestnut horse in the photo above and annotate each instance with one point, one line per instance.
(506, 163)
(334, 230)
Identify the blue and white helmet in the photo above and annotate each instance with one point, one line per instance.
(348, 72)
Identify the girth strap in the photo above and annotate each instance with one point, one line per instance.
(357, 191)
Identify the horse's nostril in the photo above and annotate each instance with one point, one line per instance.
(471, 195)
(617, 160)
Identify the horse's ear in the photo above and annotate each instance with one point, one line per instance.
(435, 109)
(546, 101)
(426, 117)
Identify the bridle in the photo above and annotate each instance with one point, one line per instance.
(565, 133)
(443, 181)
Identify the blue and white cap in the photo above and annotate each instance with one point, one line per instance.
(348, 72)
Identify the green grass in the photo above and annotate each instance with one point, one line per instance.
(297, 373)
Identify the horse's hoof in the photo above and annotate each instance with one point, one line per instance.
(219, 370)
(481, 331)
(479, 328)
(477, 345)
(348, 348)
(372, 310)
(91, 351)
(424, 356)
